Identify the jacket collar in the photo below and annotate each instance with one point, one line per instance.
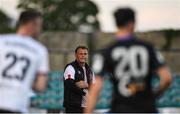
(77, 64)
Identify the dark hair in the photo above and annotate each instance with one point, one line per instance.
(27, 16)
(80, 47)
(123, 16)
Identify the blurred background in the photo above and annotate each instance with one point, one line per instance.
(69, 23)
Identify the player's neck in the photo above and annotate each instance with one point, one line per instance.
(123, 33)
(23, 32)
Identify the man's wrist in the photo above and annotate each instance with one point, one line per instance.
(158, 92)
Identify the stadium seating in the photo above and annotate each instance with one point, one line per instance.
(53, 96)
(171, 98)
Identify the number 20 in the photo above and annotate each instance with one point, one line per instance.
(129, 57)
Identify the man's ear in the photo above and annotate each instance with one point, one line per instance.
(29, 26)
(130, 26)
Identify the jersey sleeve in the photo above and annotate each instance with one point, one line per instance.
(69, 72)
(43, 66)
(93, 78)
(69, 80)
(100, 64)
(157, 60)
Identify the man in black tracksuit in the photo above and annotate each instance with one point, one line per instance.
(77, 78)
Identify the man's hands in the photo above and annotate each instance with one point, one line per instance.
(165, 80)
(82, 84)
(136, 87)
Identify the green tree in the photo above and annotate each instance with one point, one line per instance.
(64, 15)
(4, 23)
(170, 34)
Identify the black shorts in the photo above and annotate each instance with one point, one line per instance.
(74, 109)
(7, 111)
(129, 109)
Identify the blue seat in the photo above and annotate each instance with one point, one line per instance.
(53, 96)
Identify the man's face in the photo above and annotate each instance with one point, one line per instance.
(35, 26)
(82, 55)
